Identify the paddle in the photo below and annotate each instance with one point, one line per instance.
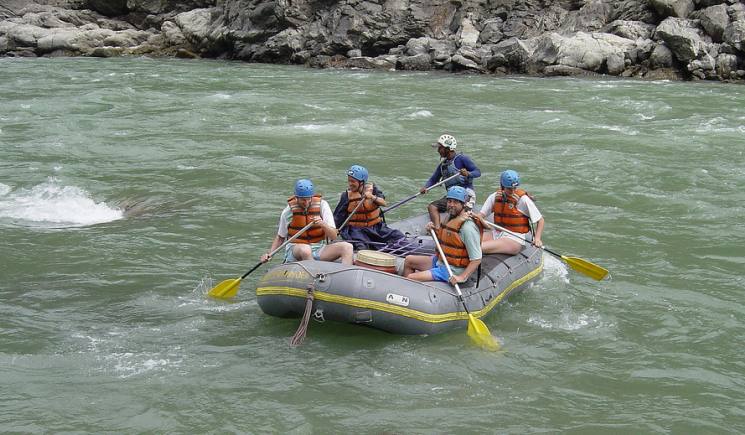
(404, 201)
(228, 288)
(582, 266)
(477, 330)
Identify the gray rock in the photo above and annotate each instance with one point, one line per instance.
(630, 29)
(419, 62)
(364, 62)
(714, 20)
(661, 57)
(172, 34)
(195, 25)
(726, 66)
(460, 62)
(734, 35)
(585, 51)
(512, 53)
(491, 32)
(683, 37)
(673, 8)
(107, 52)
(565, 70)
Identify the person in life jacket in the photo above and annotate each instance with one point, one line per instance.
(366, 228)
(514, 209)
(460, 238)
(303, 208)
(451, 163)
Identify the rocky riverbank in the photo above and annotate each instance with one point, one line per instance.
(670, 39)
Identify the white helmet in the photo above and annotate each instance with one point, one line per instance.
(447, 141)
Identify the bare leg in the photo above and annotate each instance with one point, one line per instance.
(434, 215)
(488, 235)
(301, 252)
(502, 245)
(343, 250)
(417, 267)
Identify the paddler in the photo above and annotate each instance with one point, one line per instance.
(460, 238)
(451, 163)
(513, 209)
(366, 227)
(303, 208)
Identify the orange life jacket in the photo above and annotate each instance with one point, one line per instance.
(302, 217)
(506, 213)
(367, 215)
(452, 245)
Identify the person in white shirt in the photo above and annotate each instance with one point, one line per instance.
(515, 210)
(303, 208)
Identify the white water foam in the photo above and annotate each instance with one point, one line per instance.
(420, 114)
(554, 268)
(52, 204)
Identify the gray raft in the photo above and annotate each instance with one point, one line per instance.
(355, 294)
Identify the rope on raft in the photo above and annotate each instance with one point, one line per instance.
(302, 329)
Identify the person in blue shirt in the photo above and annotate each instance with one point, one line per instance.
(451, 163)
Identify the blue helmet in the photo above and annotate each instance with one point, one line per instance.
(509, 179)
(457, 192)
(358, 172)
(304, 188)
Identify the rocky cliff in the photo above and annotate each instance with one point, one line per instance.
(676, 39)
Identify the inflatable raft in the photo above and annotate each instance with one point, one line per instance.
(369, 294)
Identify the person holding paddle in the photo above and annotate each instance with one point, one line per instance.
(359, 206)
(451, 163)
(515, 210)
(460, 238)
(304, 208)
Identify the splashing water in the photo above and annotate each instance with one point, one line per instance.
(52, 204)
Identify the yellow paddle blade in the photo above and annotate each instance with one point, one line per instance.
(226, 289)
(480, 334)
(583, 266)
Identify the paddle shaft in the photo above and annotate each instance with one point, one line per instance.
(298, 234)
(404, 201)
(520, 237)
(450, 271)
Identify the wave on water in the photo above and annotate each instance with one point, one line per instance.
(554, 268)
(420, 114)
(54, 205)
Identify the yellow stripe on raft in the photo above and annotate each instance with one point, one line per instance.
(395, 309)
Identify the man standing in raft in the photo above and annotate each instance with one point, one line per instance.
(365, 228)
(451, 164)
(302, 209)
(514, 210)
(460, 238)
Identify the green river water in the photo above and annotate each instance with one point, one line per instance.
(104, 321)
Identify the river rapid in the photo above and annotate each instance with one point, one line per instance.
(129, 187)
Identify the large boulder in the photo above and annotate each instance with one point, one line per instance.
(512, 54)
(734, 35)
(683, 37)
(714, 20)
(630, 29)
(597, 52)
(673, 8)
(661, 57)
